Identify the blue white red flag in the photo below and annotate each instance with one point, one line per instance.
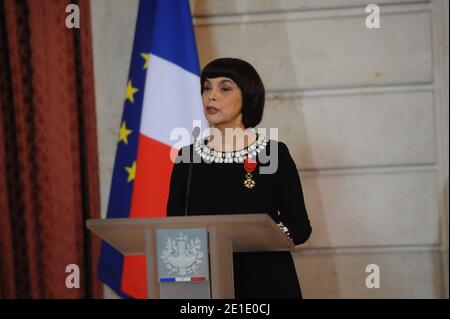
(162, 93)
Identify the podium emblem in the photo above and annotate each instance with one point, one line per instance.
(182, 254)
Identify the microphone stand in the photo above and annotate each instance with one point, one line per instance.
(195, 134)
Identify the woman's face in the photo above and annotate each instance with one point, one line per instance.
(222, 102)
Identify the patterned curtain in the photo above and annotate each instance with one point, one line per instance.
(48, 151)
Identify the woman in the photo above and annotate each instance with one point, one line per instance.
(227, 177)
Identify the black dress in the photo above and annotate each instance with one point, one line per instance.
(217, 188)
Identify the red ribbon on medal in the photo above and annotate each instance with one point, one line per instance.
(249, 165)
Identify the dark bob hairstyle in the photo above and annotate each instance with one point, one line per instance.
(248, 81)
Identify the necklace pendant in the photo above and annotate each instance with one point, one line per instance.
(249, 182)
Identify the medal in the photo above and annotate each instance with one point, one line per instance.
(249, 166)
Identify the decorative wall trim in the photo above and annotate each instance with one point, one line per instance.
(329, 13)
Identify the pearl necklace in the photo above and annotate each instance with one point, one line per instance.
(210, 155)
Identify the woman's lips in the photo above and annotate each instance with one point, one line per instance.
(211, 110)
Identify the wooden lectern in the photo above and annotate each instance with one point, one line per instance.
(226, 234)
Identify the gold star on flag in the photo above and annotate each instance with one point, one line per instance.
(146, 57)
(130, 91)
(123, 133)
(131, 172)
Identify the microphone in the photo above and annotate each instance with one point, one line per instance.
(195, 134)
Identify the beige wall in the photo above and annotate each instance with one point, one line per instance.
(364, 113)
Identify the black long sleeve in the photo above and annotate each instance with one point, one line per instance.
(289, 196)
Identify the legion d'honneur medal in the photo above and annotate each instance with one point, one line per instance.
(249, 166)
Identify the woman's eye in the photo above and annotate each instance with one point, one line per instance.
(226, 89)
(206, 88)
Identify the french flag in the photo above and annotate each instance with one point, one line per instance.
(162, 93)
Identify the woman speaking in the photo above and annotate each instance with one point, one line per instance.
(226, 177)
